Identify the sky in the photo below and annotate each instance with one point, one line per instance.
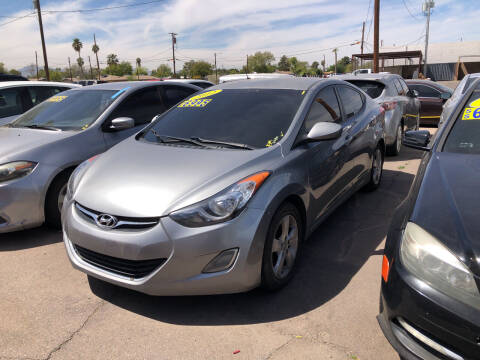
(303, 28)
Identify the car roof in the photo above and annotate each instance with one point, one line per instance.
(188, 81)
(5, 84)
(372, 77)
(290, 83)
(130, 85)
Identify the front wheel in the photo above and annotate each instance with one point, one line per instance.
(282, 247)
(377, 170)
(54, 201)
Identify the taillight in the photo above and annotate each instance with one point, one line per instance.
(389, 105)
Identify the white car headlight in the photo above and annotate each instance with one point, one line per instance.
(223, 206)
(425, 257)
(16, 170)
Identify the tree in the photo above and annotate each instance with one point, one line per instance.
(261, 62)
(112, 60)
(3, 69)
(162, 71)
(299, 68)
(315, 65)
(119, 69)
(77, 46)
(323, 64)
(14, 72)
(345, 60)
(196, 69)
(95, 50)
(283, 64)
(138, 62)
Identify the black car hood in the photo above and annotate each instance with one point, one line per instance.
(448, 204)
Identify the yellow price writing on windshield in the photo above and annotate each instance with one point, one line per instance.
(57, 98)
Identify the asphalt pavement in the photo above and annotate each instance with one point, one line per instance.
(50, 311)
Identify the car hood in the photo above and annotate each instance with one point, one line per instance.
(140, 179)
(447, 204)
(15, 142)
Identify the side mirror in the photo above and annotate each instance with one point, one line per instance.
(445, 96)
(418, 139)
(324, 131)
(413, 93)
(155, 118)
(121, 123)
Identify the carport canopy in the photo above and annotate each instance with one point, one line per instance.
(392, 55)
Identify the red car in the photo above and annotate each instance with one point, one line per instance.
(432, 96)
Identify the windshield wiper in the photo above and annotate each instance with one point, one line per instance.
(170, 139)
(219, 142)
(42, 127)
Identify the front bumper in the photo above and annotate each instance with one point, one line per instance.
(187, 251)
(21, 203)
(422, 323)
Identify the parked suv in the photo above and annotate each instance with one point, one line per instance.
(401, 105)
(16, 97)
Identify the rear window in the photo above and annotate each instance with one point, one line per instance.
(465, 134)
(373, 88)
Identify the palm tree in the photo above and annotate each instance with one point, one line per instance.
(139, 62)
(112, 60)
(77, 46)
(95, 50)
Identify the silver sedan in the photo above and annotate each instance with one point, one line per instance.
(41, 148)
(218, 194)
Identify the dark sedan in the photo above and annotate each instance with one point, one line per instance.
(432, 96)
(430, 298)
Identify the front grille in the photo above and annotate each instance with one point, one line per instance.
(123, 222)
(131, 268)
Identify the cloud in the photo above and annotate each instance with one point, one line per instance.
(303, 27)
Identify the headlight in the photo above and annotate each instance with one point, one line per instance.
(73, 180)
(425, 257)
(223, 206)
(15, 170)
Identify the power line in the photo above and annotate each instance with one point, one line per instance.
(104, 8)
(18, 18)
(406, 7)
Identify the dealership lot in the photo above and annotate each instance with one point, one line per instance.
(328, 311)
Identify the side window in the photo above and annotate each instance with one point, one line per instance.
(141, 106)
(203, 85)
(325, 108)
(351, 99)
(404, 86)
(175, 94)
(11, 102)
(41, 93)
(425, 91)
(398, 87)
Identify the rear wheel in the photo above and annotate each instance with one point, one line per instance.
(395, 148)
(54, 200)
(377, 170)
(282, 247)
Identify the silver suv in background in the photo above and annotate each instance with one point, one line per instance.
(16, 97)
(41, 148)
(402, 108)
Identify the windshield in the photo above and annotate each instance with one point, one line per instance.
(70, 110)
(465, 134)
(257, 118)
(372, 88)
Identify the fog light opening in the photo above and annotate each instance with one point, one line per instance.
(222, 261)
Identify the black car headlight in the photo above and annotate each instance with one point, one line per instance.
(429, 260)
(15, 170)
(222, 206)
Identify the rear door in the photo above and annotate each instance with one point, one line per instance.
(409, 105)
(142, 106)
(13, 102)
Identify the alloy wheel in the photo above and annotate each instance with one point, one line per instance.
(285, 246)
(399, 139)
(377, 166)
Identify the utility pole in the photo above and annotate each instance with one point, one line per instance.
(427, 6)
(174, 42)
(324, 63)
(70, 68)
(216, 72)
(376, 29)
(36, 62)
(361, 45)
(91, 71)
(335, 51)
(247, 66)
(96, 54)
(36, 5)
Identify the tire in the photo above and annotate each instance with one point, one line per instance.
(394, 149)
(377, 170)
(282, 242)
(54, 199)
